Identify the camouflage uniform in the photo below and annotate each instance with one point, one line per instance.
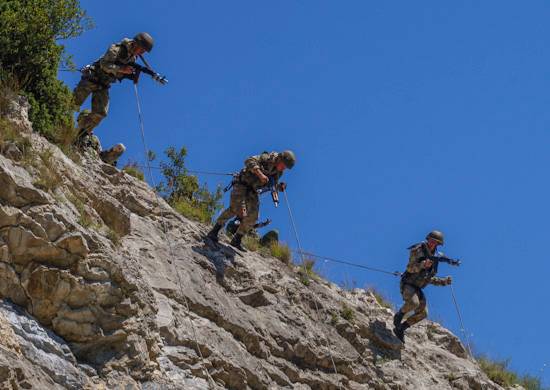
(111, 155)
(97, 79)
(244, 195)
(415, 279)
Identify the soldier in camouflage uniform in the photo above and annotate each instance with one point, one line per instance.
(421, 271)
(244, 197)
(98, 77)
(111, 156)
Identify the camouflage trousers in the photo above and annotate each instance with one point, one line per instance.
(242, 198)
(100, 103)
(415, 301)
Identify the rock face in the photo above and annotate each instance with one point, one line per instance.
(104, 286)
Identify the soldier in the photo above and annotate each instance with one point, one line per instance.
(111, 155)
(98, 77)
(421, 271)
(258, 172)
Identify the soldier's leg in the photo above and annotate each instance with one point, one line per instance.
(100, 107)
(420, 312)
(81, 92)
(238, 198)
(410, 298)
(253, 210)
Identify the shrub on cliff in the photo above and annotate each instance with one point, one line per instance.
(183, 192)
(29, 35)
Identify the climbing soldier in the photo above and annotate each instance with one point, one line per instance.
(421, 270)
(116, 64)
(260, 172)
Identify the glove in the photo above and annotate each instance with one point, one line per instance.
(281, 186)
(449, 280)
(456, 262)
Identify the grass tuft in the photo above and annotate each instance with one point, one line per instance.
(380, 298)
(48, 179)
(347, 313)
(132, 169)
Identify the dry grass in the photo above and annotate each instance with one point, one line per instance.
(132, 169)
(347, 313)
(114, 237)
(48, 179)
(306, 271)
(380, 298)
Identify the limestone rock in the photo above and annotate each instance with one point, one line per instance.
(104, 286)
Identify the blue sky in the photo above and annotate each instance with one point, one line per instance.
(405, 117)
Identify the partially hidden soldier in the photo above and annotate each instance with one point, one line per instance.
(421, 270)
(259, 172)
(117, 63)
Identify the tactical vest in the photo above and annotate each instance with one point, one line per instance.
(421, 279)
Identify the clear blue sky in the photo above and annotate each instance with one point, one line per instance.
(405, 117)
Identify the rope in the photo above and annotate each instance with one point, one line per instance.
(188, 170)
(333, 260)
(463, 329)
(327, 343)
(165, 231)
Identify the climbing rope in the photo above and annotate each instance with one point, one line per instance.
(327, 342)
(170, 249)
(189, 171)
(462, 328)
(333, 260)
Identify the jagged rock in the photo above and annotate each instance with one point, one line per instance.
(112, 289)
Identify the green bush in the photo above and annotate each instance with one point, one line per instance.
(183, 192)
(29, 35)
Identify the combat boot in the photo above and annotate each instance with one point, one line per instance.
(400, 331)
(397, 318)
(213, 234)
(236, 242)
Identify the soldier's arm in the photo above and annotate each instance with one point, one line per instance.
(108, 62)
(252, 162)
(440, 281)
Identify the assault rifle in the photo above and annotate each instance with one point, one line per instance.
(140, 68)
(272, 187)
(444, 259)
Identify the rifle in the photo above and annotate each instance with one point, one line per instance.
(271, 186)
(140, 68)
(445, 259)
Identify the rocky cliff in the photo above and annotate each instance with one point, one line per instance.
(104, 286)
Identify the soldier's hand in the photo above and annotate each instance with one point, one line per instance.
(263, 178)
(282, 187)
(127, 69)
(449, 280)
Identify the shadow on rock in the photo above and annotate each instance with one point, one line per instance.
(219, 255)
(383, 341)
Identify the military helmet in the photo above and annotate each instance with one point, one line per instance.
(436, 235)
(144, 40)
(288, 158)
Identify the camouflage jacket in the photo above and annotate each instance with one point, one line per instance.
(267, 163)
(106, 69)
(416, 274)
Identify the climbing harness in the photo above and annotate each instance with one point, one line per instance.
(170, 249)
